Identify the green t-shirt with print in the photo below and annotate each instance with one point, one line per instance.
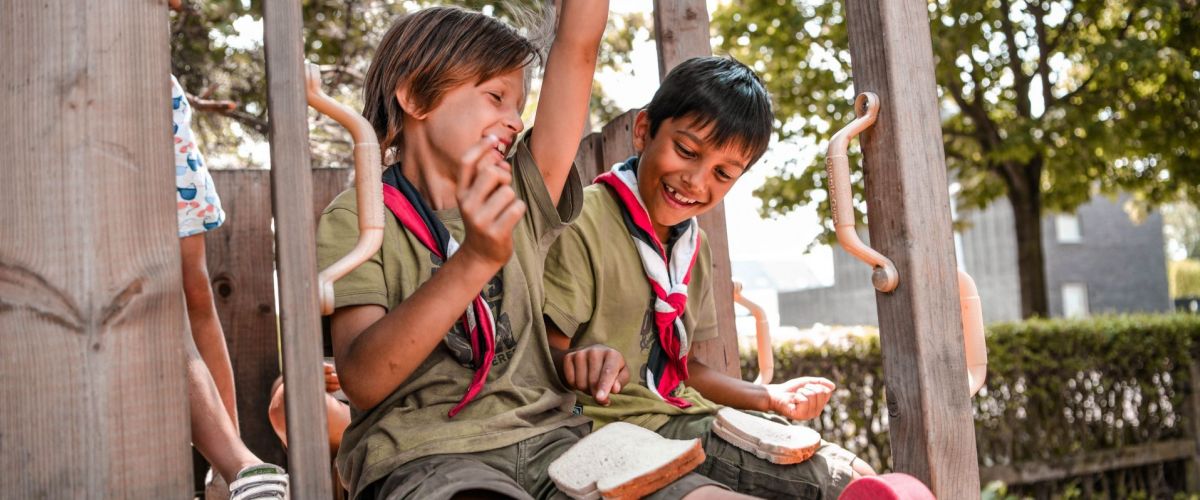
(523, 395)
(597, 293)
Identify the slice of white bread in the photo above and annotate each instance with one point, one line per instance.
(623, 461)
(773, 441)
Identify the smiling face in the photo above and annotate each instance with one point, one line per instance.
(470, 112)
(681, 173)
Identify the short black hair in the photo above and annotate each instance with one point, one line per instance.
(719, 91)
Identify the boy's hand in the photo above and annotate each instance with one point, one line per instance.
(596, 370)
(331, 378)
(800, 398)
(489, 206)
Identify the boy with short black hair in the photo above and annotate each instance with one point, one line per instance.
(648, 295)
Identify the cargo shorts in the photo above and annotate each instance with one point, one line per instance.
(823, 476)
(517, 471)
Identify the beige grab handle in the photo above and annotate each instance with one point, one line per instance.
(885, 277)
(368, 179)
(762, 332)
(837, 165)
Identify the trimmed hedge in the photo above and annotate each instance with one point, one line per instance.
(1055, 388)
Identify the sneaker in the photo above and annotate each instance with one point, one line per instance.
(260, 482)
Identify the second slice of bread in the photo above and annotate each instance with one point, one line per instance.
(773, 441)
(623, 461)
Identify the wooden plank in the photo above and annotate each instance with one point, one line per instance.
(91, 305)
(616, 140)
(241, 265)
(295, 250)
(681, 33)
(1091, 463)
(327, 184)
(930, 415)
(587, 158)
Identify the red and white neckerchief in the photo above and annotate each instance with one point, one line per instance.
(669, 278)
(403, 200)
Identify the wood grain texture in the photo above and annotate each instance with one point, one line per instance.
(241, 265)
(587, 157)
(91, 305)
(930, 416)
(681, 33)
(295, 250)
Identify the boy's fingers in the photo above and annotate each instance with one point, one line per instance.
(595, 365)
(511, 215)
(623, 377)
(496, 203)
(471, 159)
(488, 180)
(568, 370)
(613, 363)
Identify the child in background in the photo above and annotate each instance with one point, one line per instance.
(212, 405)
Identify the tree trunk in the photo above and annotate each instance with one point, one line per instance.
(1026, 198)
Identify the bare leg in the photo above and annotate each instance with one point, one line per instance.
(337, 412)
(212, 432)
(206, 327)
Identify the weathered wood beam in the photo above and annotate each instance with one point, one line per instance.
(92, 322)
(295, 251)
(929, 408)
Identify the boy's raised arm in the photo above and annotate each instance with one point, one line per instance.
(566, 88)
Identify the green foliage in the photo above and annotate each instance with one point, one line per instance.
(1060, 97)
(1183, 278)
(1055, 388)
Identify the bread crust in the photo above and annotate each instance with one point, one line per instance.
(655, 480)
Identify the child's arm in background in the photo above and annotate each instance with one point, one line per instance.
(566, 88)
(377, 350)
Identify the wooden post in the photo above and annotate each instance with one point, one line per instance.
(587, 158)
(91, 304)
(929, 408)
(241, 265)
(616, 140)
(295, 250)
(681, 33)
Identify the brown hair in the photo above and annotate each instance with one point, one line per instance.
(430, 52)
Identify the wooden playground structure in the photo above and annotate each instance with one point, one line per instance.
(90, 310)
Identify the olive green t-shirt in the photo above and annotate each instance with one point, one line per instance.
(597, 293)
(523, 395)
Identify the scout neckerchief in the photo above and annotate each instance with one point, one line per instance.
(402, 198)
(668, 277)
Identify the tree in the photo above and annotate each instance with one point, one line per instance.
(1046, 102)
(223, 70)
(1181, 227)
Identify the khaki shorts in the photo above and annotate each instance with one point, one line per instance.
(823, 476)
(515, 471)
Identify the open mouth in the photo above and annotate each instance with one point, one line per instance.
(502, 146)
(672, 195)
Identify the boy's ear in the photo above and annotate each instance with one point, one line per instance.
(408, 104)
(641, 131)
